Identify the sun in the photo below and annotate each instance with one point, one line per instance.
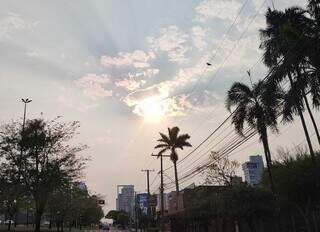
(152, 109)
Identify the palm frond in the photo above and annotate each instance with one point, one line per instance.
(164, 138)
(161, 145)
(239, 93)
(161, 152)
(173, 133)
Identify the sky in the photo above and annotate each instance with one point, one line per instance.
(128, 70)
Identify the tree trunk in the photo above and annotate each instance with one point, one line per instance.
(312, 118)
(176, 176)
(9, 224)
(309, 109)
(303, 122)
(267, 153)
(293, 223)
(37, 220)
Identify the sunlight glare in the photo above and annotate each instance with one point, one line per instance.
(151, 109)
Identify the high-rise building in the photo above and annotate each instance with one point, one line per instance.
(82, 185)
(125, 199)
(253, 170)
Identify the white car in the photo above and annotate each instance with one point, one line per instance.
(45, 223)
(7, 222)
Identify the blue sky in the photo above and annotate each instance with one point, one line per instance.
(115, 65)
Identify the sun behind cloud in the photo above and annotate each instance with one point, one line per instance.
(152, 109)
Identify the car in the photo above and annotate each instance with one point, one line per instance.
(45, 223)
(7, 222)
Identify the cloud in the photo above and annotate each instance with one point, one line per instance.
(130, 84)
(93, 86)
(198, 36)
(145, 73)
(136, 97)
(171, 41)
(13, 22)
(78, 105)
(222, 9)
(137, 59)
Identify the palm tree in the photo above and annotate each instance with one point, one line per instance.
(284, 44)
(170, 143)
(258, 107)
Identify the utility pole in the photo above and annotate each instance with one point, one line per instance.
(148, 189)
(161, 186)
(148, 175)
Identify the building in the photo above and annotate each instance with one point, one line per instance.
(142, 201)
(82, 186)
(126, 199)
(253, 170)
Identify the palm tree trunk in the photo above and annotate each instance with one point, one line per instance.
(176, 176)
(303, 122)
(309, 109)
(267, 153)
(312, 118)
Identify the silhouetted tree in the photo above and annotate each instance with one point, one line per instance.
(284, 44)
(259, 108)
(171, 143)
(48, 159)
(220, 171)
(294, 180)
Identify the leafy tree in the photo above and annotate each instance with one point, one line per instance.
(221, 170)
(170, 143)
(75, 206)
(118, 217)
(93, 212)
(259, 108)
(250, 205)
(9, 200)
(48, 160)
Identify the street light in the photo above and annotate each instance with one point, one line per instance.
(25, 101)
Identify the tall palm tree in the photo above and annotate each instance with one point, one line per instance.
(258, 107)
(171, 143)
(283, 42)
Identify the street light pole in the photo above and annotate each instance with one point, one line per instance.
(25, 101)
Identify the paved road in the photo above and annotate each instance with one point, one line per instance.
(111, 229)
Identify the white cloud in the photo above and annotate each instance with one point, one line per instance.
(70, 102)
(93, 86)
(223, 9)
(135, 97)
(130, 84)
(14, 22)
(198, 36)
(145, 73)
(172, 41)
(244, 53)
(137, 59)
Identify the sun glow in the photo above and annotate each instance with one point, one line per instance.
(152, 109)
